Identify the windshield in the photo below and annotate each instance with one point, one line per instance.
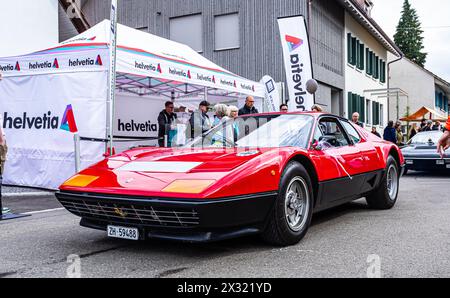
(260, 132)
(426, 138)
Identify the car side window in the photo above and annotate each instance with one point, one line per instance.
(333, 134)
(352, 132)
(318, 133)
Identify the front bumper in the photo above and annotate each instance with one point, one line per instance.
(173, 219)
(427, 164)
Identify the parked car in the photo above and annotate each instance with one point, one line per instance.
(421, 153)
(268, 176)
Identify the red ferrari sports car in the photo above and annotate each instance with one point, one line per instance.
(262, 174)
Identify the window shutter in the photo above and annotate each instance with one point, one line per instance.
(361, 56)
(374, 113)
(377, 67)
(357, 54)
(353, 51)
(349, 48)
(367, 61)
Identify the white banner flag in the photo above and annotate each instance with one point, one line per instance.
(272, 94)
(298, 63)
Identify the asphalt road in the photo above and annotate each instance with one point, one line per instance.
(412, 240)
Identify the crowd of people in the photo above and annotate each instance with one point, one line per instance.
(394, 133)
(173, 130)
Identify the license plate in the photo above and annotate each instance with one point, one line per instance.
(123, 233)
(448, 166)
(440, 162)
(410, 162)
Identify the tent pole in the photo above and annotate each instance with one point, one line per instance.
(76, 142)
(206, 93)
(112, 73)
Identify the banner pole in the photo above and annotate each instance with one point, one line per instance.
(112, 72)
(76, 138)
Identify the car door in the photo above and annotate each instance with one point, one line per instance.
(370, 156)
(339, 160)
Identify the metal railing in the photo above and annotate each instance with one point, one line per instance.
(78, 139)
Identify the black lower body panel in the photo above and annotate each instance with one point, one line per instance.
(336, 192)
(181, 220)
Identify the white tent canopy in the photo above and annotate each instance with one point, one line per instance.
(38, 89)
(146, 64)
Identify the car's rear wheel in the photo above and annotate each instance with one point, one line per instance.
(385, 196)
(291, 215)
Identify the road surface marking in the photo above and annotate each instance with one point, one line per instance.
(44, 211)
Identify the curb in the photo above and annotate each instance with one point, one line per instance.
(28, 195)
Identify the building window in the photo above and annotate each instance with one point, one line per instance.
(441, 101)
(227, 32)
(188, 30)
(446, 104)
(356, 104)
(368, 120)
(351, 49)
(355, 50)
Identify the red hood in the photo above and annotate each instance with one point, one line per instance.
(202, 164)
(217, 160)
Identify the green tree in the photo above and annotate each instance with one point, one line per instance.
(409, 35)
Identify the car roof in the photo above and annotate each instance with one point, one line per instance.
(429, 132)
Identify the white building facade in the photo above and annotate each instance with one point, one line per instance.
(424, 89)
(365, 70)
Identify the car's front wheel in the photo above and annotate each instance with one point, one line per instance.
(291, 216)
(385, 196)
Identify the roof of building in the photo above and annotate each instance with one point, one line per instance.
(354, 7)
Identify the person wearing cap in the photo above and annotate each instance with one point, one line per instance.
(200, 121)
(444, 142)
(249, 108)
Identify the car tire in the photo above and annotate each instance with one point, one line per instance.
(385, 196)
(291, 215)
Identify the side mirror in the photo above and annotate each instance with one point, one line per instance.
(315, 146)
